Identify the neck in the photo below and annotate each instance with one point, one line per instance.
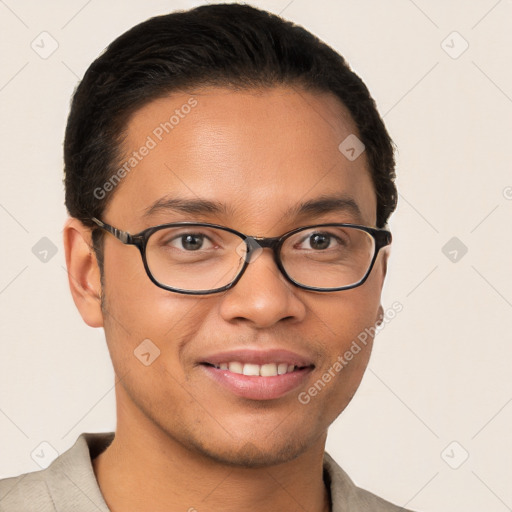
(146, 469)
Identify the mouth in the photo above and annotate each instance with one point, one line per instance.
(257, 370)
(258, 375)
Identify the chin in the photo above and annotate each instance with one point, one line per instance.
(252, 453)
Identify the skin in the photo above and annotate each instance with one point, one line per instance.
(182, 441)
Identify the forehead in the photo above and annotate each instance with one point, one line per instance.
(257, 154)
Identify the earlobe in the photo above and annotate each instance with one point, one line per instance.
(384, 266)
(380, 316)
(385, 256)
(83, 272)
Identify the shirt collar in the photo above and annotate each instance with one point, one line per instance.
(71, 478)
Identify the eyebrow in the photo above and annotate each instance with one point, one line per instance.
(190, 206)
(326, 204)
(311, 208)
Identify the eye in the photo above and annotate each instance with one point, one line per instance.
(190, 242)
(320, 241)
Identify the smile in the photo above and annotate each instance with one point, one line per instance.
(261, 370)
(250, 381)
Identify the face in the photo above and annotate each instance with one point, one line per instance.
(259, 154)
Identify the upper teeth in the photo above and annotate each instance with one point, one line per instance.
(263, 370)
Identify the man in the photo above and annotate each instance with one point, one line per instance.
(229, 181)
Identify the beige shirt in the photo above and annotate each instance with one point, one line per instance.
(68, 484)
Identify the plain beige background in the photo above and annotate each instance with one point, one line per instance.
(431, 424)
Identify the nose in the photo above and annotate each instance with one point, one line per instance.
(262, 296)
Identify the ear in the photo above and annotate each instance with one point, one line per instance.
(83, 272)
(383, 256)
(380, 316)
(383, 262)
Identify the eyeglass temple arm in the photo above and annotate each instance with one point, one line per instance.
(123, 236)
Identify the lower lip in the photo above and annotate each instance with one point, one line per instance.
(258, 388)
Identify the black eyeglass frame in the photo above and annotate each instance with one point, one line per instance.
(382, 238)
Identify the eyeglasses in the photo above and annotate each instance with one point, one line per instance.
(200, 258)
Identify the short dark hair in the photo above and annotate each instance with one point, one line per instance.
(231, 45)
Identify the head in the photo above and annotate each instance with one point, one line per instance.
(234, 106)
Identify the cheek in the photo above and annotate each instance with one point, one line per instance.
(347, 339)
(345, 334)
(343, 318)
(136, 310)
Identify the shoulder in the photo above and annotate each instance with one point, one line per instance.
(345, 495)
(67, 483)
(29, 490)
